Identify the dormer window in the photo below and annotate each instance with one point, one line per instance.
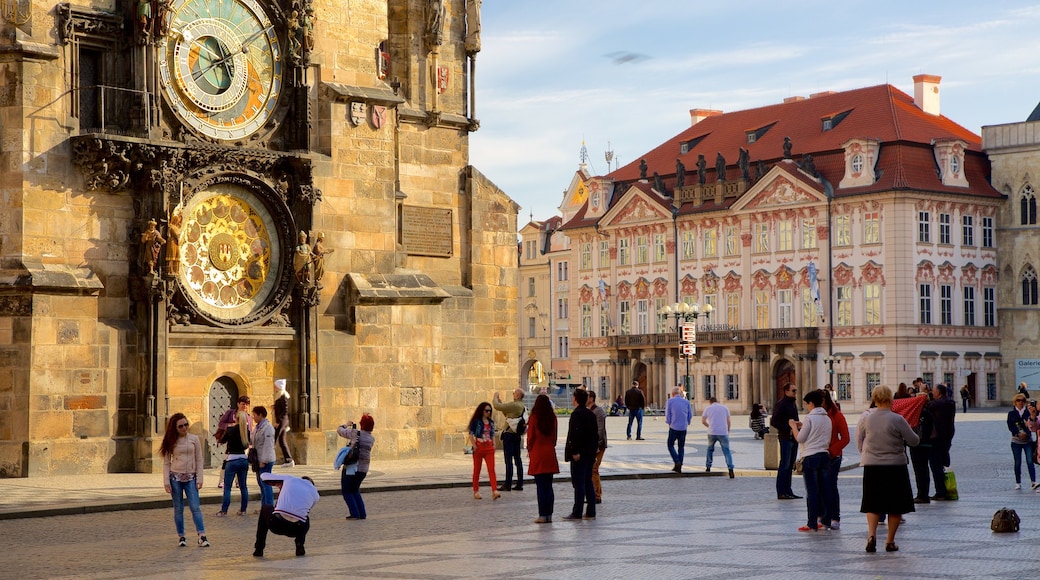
(831, 121)
(857, 163)
(687, 146)
(684, 148)
(955, 164)
(752, 137)
(949, 160)
(860, 162)
(756, 134)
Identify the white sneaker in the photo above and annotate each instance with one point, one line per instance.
(290, 463)
(1018, 486)
(1034, 485)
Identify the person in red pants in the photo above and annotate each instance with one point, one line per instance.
(482, 430)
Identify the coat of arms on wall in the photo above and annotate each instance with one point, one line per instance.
(377, 116)
(357, 113)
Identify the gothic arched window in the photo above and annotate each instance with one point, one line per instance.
(1028, 206)
(1029, 287)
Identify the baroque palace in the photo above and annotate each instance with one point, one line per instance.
(848, 238)
(200, 197)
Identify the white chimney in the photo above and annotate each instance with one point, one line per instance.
(698, 115)
(926, 93)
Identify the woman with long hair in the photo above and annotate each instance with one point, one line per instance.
(182, 475)
(482, 430)
(813, 434)
(757, 421)
(881, 437)
(541, 455)
(236, 464)
(353, 475)
(839, 440)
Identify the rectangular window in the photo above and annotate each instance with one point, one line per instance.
(563, 350)
(530, 327)
(532, 249)
(925, 309)
(604, 320)
(808, 233)
(967, 230)
(710, 243)
(662, 318)
(733, 310)
(946, 304)
(785, 312)
(809, 308)
(948, 379)
(844, 314)
(660, 250)
(561, 271)
(689, 243)
(873, 380)
(944, 229)
(989, 307)
(871, 227)
(604, 254)
(622, 252)
(842, 230)
(761, 238)
(530, 286)
(586, 256)
(624, 317)
(732, 387)
(561, 308)
(586, 320)
(642, 250)
(987, 232)
(709, 386)
(872, 304)
(642, 317)
(969, 306)
(991, 386)
(924, 227)
(713, 300)
(761, 309)
(732, 241)
(928, 378)
(844, 387)
(784, 236)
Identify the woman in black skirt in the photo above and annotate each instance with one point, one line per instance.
(880, 437)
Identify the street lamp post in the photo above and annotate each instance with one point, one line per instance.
(831, 360)
(687, 333)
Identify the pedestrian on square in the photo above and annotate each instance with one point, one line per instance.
(716, 418)
(1034, 425)
(943, 411)
(263, 442)
(1021, 424)
(881, 437)
(601, 423)
(920, 452)
(814, 437)
(783, 412)
(236, 437)
(352, 475)
(965, 397)
(291, 515)
(635, 402)
(281, 420)
(182, 475)
(482, 430)
(677, 415)
(228, 418)
(514, 412)
(839, 440)
(580, 451)
(757, 421)
(541, 455)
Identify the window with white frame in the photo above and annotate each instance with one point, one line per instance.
(531, 327)
(530, 287)
(662, 318)
(732, 241)
(809, 308)
(842, 230)
(924, 310)
(532, 249)
(987, 232)
(709, 386)
(732, 387)
(561, 308)
(844, 298)
(586, 320)
(872, 304)
(871, 227)
(844, 386)
(989, 307)
(604, 320)
(944, 229)
(785, 235)
(924, 227)
(689, 245)
(785, 309)
(642, 250)
(733, 310)
(967, 230)
(604, 254)
(710, 242)
(761, 238)
(713, 301)
(622, 252)
(586, 256)
(624, 317)
(969, 305)
(642, 317)
(660, 250)
(945, 304)
(561, 271)
(761, 309)
(873, 380)
(564, 347)
(808, 233)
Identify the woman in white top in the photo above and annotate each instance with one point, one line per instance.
(182, 475)
(814, 437)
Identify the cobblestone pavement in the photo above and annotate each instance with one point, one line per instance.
(670, 527)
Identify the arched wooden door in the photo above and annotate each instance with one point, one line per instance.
(221, 393)
(783, 373)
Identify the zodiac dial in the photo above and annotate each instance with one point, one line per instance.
(221, 66)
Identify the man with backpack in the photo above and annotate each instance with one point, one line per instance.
(515, 426)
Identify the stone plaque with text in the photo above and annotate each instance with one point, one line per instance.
(426, 231)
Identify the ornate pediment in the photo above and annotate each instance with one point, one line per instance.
(636, 209)
(782, 191)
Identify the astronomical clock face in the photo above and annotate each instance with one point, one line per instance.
(230, 254)
(221, 66)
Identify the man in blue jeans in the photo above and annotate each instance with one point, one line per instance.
(716, 418)
(783, 412)
(635, 401)
(580, 450)
(263, 442)
(678, 415)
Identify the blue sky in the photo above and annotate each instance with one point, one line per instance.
(552, 73)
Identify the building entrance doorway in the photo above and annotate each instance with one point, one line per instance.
(221, 393)
(783, 373)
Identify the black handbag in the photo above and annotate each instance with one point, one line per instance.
(354, 455)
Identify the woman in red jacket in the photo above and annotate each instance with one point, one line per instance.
(541, 451)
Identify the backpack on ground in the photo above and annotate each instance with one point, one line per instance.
(1005, 521)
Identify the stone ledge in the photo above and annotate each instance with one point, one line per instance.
(376, 95)
(200, 336)
(373, 289)
(53, 277)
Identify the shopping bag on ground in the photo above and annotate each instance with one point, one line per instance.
(951, 485)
